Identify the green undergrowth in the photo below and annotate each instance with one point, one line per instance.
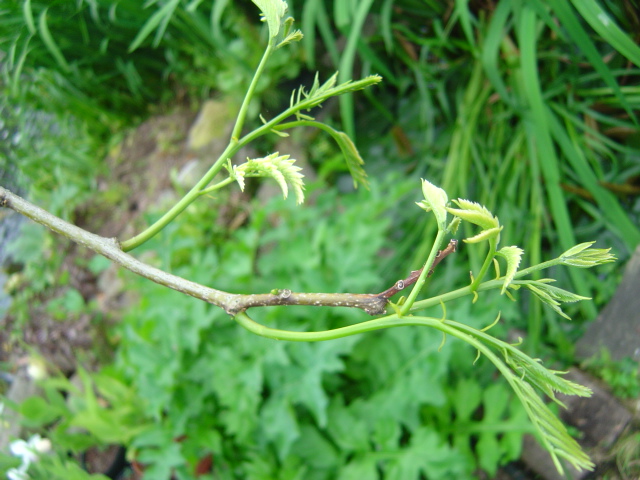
(528, 107)
(395, 402)
(389, 402)
(110, 62)
(622, 376)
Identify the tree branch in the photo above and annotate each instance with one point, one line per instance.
(110, 248)
(415, 274)
(373, 304)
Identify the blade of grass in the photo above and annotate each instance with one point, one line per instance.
(51, 45)
(455, 177)
(611, 210)
(608, 29)
(464, 15)
(385, 24)
(581, 39)
(346, 65)
(154, 21)
(28, 17)
(215, 20)
(541, 144)
(368, 55)
(343, 12)
(314, 14)
(491, 49)
(17, 67)
(308, 26)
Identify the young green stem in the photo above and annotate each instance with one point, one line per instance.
(217, 186)
(488, 285)
(388, 321)
(552, 433)
(242, 114)
(200, 188)
(184, 202)
(404, 309)
(485, 266)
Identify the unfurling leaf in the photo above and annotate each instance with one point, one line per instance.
(512, 255)
(484, 235)
(435, 199)
(351, 156)
(288, 35)
(553, 434)
(558, 294)
(279, 167)
(474, 213)
(302, 100)
(582, 256)
(453, 226)
(552, 296)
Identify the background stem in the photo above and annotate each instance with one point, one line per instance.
(404, 309)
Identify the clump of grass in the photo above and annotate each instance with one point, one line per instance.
(530, 108)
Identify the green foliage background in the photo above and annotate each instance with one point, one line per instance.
(526, 107)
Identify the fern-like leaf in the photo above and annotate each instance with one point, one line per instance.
(512, 255)
(474, 213)
(279, 167)
(553, 433)
(303, 100)
(583, 256)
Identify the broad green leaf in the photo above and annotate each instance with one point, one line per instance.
(279, 424)
(315, 449)
(428, 455)
(272, 12)
(489, 452)
(349, 431)
(467, 398)
(512, 255)
(435, 199)
(36, 412)
(361, 467)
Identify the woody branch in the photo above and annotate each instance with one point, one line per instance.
(373, 304)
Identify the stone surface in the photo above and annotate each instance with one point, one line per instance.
(22, 387)
(600, 418)
(539, 461)
(213, 122)
(618, 326)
